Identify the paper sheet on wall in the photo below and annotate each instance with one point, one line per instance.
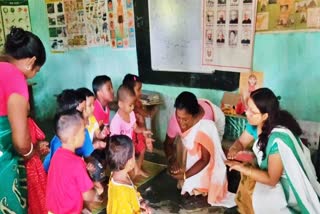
(121, 23)
(57, 25)
(13, 13)
(281, 15)
(228, 34)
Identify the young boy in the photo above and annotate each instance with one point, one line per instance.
(103, 90)
(68, 182)
(67, 101)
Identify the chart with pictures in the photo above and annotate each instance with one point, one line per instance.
(227, 34)
(57, 26)
(121, 22)
(281, 15)
(87, 23)
(13, 13)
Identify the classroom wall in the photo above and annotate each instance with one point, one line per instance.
(290, 62)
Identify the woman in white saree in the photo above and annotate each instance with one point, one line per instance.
(203, 172)
(285, 177)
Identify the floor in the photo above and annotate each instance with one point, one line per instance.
(161, 192)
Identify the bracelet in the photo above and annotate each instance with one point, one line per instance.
(29, 153)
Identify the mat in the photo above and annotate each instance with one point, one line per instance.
(153, 169)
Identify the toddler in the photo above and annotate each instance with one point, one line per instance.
(124, 122)
(68, 182)
(122, 194)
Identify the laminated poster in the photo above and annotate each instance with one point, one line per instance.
(284, 15)
(228, 29)
(13, 13)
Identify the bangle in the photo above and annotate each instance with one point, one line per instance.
(184, 176)
(29, 153)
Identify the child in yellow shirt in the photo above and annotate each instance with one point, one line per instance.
(123, 198)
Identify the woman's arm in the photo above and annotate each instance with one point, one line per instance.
(197, 167)
(18, 108)
(270, 177)
(240, 144)
(200, 164)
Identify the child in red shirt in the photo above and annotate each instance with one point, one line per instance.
(68, 182)
(103, 90)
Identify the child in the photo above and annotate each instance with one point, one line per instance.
(92, 124)
(67, 101)
(103, 90)
(124, 122)
(134, 82)
(96, 162)
(68, 182)
(122, 195)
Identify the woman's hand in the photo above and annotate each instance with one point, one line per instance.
(174, 167)
(235, 165)
(179, 175)
(234, 149)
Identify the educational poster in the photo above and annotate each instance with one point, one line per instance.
(96, 22)
(2, 35)
(76, 25)
(57, 26)
(250, 81)
(228, 33)
(280, 15)
(13, 13)
(121, 23)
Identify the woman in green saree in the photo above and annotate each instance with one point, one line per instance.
(23, 58)
(285, 177)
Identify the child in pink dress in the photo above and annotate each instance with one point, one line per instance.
(124, 123)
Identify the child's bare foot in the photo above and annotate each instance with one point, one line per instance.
(141, 172)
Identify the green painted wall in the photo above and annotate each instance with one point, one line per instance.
(290, 62)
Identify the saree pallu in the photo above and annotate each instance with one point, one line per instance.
(212, 179)
(13, 188)
(298, 190)
(36, 176)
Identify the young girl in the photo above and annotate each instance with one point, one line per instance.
(134, 82)
(124, 122)
(122, 195)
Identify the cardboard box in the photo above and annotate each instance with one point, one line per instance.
(229, 103)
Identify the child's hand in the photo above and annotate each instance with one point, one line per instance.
(99, 144)
(90, 168)
(149, 144)
(147, 133)
(43, 148)
(145, 209)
